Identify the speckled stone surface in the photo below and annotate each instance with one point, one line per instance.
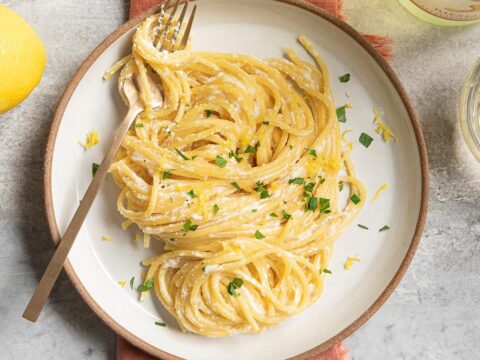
(433, 314)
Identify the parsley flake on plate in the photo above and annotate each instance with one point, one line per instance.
(95, 167)
(261, 190)
(232, 154)
(365, 139)
(235, 185)
(220, 161)
(147, 285)
(342, 114)
(312, 203)
(286, 216)
(344, 78)
(324, 206)
(251, 149)
(182, 155)
(192, 194)
(259, 235)
(355, 199)
(312, 152)
(233, 286)
(188, 226)
(297, 181)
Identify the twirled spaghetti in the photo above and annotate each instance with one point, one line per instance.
(238, 173)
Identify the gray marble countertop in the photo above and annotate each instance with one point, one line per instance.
(433, 314)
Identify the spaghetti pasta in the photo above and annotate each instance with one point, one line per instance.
(238, 174)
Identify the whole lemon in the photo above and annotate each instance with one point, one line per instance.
(22, 59)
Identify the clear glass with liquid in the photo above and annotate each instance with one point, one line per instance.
(469, 110)
(445, 12)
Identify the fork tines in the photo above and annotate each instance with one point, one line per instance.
(167, 36)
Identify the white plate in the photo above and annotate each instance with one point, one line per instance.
(263, 29)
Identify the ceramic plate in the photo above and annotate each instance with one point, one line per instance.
(264, 29)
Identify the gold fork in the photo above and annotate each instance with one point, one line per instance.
(133, 96)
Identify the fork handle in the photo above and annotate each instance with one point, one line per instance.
(50, 275)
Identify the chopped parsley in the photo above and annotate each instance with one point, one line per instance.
(166, 175)
(291, 147)
(233, 286)
(355, 199)
(261, 190)
(192, 194)
(297, 181)
(362, 226)
(322, 179)
(160, 324)
(139, 125)
(365, 140)
(235, 185)
(220, 161)
(341, 114)
(251, 149)
(312, 203)
(312, 152)
(309, 187)
(344, 78)
(286, 216)
(147, 285)
(326, 271)
(95, 167)
(194, 157)
(385, 228)
(232, 154)
(272, 214)
(131, 282)
(182, 155)
(209, 112)
(215, 209)
(188, 226)
(259, 235)
(254, 210)
(324, 206)
(265, 123)
(340, 185)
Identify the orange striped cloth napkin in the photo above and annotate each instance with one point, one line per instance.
(126, 351)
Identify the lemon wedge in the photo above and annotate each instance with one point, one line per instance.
(22, 59)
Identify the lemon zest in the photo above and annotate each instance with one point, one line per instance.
(106, 238)
(382, 129)
(122, 283)
(350, 260)
(379, 191)
(92, 139)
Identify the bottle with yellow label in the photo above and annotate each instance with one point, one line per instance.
(445, 12)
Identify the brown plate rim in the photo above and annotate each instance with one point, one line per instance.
(138, 342)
